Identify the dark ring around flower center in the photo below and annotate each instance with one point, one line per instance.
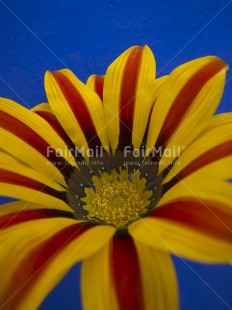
(81, 181)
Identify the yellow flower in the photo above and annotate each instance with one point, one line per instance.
(118, 174)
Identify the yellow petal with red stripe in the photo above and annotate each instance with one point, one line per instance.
(11, 164)
(128, 96)
(202, 205)
(96, 83)
(157, 86)
(159, 279)
(30, 138)
(95, 270)
(50, 250)
(126, 273)
(10, 109)
(132, 276)
(20, 187)
(201, 186)
(18, 241)
(19, 212)
(211, 218)
(44, 111)
(27, 153)
(212, 149)
(179, 239)
(39, 194)
(187, 100)
(12, 210)
(44, 106)
(22, 182)
(120, 277)
(78, 109)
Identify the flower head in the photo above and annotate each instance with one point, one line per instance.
(118, 174)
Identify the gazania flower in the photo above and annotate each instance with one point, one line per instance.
(118, 174)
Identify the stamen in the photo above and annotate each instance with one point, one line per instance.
(116, 200)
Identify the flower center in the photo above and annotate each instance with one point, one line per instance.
(117, 198)
(116, 189)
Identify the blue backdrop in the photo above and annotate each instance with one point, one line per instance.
(86, 36)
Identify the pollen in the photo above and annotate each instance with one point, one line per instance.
(117, 198)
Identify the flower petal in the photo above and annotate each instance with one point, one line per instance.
(210, 151)
(96, 83)
(119, 277)
(203, 184)
(97, 289)
(126, 273)
(16, 242)
(16, 212)
(44, 111)
(78, 109)
(193, 219)
(219, 120)
(20, 187)
(159, 280)
(157, 86)
(181, 240)
(188, 98)
(51, 249)
(28, 137)
(22, 182)
(14, 166)
(131, 276)
(206, 216)
(128, 96)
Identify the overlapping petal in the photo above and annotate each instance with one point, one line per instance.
(193, 219)
(218, 120)
(206, 216)
(14, 166)
(128, 96)
(44, 110)
(78, 109)
(203, 183)
(181, 240)
(126, 274)
(22, 182)
(132, 276)
(96, 83)
(21, 211)
(160, 287)
(43, 257)
(211, 152)
(188, 98)
(97, 288)
(33, 140)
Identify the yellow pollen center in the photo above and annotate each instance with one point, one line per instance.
(116, 200)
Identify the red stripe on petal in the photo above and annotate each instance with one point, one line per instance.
(218, 152)
(20, 180)
(54, 123)
(128, 96)
(98, 85)
(28, 135)
(79, 108)
(29, 215)
(126, 273)
(185, 99)
(34, 264)
(197, 215)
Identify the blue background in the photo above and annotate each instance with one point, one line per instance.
(86, 36)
